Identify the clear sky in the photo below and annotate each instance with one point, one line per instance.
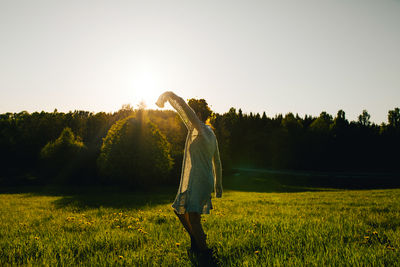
(274, 56)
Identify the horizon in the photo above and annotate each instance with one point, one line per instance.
(169, 108)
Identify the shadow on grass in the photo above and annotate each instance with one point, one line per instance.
(122, 201)
(84, 198)
(261, 180)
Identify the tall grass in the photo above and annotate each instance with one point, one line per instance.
(337, 227)
(252, 225)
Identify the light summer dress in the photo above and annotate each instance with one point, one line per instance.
(201, 169)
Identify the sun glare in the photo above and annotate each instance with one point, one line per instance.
(146, 89)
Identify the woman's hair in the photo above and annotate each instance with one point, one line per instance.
(202, 117)
(201, 108)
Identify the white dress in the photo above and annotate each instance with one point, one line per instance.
(201, 169)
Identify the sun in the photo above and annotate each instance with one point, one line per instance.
(146, 89)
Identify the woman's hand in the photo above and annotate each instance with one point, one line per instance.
(162, 99)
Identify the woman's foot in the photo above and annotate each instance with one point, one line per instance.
(193, 245)
(207, 258)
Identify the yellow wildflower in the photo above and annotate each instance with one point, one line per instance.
(142, 231)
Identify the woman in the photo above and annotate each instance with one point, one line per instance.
(201, 172)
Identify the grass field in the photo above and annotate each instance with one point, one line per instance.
(294, 225)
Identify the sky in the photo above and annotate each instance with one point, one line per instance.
(274, 56)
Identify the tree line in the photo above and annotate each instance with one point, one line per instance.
(310, 143)
(142, 147)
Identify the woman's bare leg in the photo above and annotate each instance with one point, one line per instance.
(197, 230)
(184, 218)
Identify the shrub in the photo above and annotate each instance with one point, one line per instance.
(62, 159)
(135, 153)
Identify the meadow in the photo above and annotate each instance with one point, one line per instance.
(262, 219)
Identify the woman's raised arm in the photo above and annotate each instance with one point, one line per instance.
(187, 114)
